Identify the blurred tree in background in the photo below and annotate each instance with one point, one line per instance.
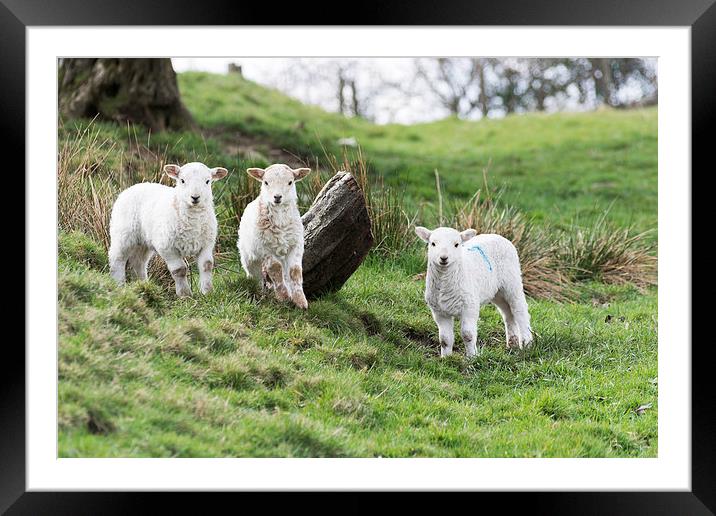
(136, 90)
(468, 88)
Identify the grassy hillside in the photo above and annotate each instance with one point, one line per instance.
(553, 167)
(235, 373)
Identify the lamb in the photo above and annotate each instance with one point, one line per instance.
(177, 223)
(465, 271)
(271, 233)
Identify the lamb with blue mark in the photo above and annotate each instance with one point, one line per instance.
(466, 271)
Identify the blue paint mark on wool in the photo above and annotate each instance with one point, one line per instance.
(484, 256)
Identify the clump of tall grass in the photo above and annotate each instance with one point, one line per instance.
(542, 273)
(231, 198)
(391, 225)
(608, 254)
(91, 171)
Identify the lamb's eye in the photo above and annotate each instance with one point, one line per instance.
(182, 181)
(207, 181)
(455, 245)
(432, 244)
(266, 183)
(290, 183)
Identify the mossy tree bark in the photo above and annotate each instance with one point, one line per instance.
(337, 235)
(141, 91)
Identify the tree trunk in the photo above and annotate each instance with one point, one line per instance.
(603, 81)
(337, 235)
(341, 95)
(357, 111)
(482, 96)
(136, 90)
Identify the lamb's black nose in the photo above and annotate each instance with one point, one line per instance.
(195, 199)
(443, 260)
(277, 198)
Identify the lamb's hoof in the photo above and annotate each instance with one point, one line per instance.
(282, 293)
(300, 300)
(513, 342)
(205, 289)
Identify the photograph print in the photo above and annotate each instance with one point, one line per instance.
(357, 257)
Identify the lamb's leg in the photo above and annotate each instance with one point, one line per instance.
(446, 330)
(468, 331)
(179, 270)
(512, 330)
(273, 269)
(251, 267)
(295, 280)
(139, 260)
(205, 260)
(254, 271)
(520, 311)
(118, 263)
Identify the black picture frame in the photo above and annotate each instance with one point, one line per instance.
(700, 15)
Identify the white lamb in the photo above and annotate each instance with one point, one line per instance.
(271, 233)
(177, 223)
(466, 271)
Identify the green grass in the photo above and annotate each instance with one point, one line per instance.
(143, 374)
(234, 374)
(553, 167)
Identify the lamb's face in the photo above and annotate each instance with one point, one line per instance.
(444, 245)
(193, 182)
(278, 183)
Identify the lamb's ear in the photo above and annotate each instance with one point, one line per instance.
(218, 173)
(256, 173)
(423, 233)
(467, 234)
(300, 173)
(172, 171)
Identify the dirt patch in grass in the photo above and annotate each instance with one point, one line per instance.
(420, 337)
(99, 423)
(372, 324)
(252, 147)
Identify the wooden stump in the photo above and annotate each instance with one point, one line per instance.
(337, 235)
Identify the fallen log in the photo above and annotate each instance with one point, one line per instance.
(337, 235)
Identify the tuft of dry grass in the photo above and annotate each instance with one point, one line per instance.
(91, 172)
(89, 178)
(609, 254)
(542, 274)
(235, 195)
(391, 225)
(82, 198)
